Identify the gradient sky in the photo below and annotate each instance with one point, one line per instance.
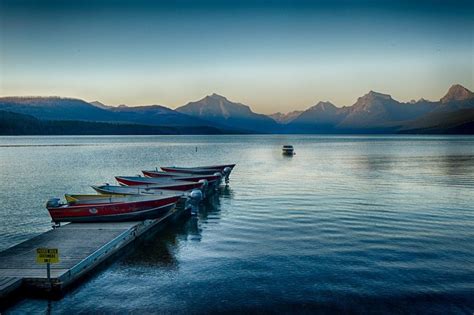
(271, 55)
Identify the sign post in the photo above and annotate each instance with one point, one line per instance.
(48, 271)
(47, 256)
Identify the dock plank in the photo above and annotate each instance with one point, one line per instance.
(73, 244)
(74, 241)
(82, 247)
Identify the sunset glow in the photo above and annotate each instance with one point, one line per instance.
(274, 56)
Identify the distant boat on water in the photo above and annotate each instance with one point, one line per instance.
(288, 150)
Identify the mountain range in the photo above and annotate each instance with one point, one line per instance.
(372, 113)
(220, 112)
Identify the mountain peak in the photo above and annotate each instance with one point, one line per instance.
(215, 105)
(217, 97)
(228, 114)
(371, 99)
(324, 105)
(457, 92)
(372, 94)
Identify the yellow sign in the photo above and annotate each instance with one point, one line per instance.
(47, 255)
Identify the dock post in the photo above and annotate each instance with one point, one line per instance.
(48, 272)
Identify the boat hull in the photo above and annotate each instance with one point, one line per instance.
(131, 190)
(170, 186)
(183, 176)
(217, 168)
(213, 181)
(114, 212)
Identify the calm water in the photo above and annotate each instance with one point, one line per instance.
(350, 224)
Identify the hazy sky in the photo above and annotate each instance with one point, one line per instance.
(271, 55)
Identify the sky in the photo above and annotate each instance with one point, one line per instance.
(271, 55)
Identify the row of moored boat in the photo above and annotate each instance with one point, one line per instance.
(142, 197)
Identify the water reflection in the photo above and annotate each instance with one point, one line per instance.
(212, 205)
(457, 164)
(375, 163)
(49, 308)
(194, 230)
(226, 192)
(159, 249)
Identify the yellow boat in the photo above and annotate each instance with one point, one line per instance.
(82, 198)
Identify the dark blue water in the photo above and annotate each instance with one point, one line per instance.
(351, 224)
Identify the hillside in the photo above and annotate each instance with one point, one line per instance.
(19, 124)
(154, 115)
(54, 108)
(457, 122)
(59, 108)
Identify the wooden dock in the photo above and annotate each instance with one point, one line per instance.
(82, 248)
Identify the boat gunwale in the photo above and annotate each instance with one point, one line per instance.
(209, 167)
(108, 216)
(88, 205)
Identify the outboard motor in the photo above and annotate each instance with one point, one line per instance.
(226, 172)
(195, 197)
(53, 203)
(219, 181)
(204, 185)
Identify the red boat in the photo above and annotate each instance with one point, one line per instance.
(216, 176)
(206, 186)
(112, 209)
(225, 170)
(198, 169)
(190, 172)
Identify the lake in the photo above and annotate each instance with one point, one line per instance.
(350, 224)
